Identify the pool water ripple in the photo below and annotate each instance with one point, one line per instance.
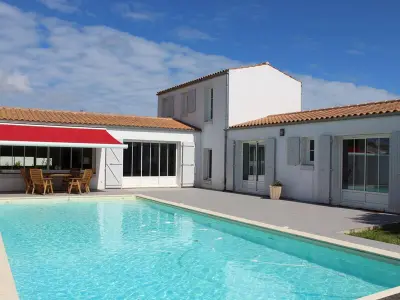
(142, 250)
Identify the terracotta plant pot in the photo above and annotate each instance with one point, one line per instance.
(275, 192)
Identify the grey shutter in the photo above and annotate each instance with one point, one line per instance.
(191, 106)
(171, 106)
(229, 164)
(303, 150)
(293, 151)
(270, 157)
(206, 103)
(324, 168)
(336, 171)
(184, 104)
(394, 169)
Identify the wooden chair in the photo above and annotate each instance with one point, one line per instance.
(87, 176)
(27, 180)
(38, 181)
(74, 183)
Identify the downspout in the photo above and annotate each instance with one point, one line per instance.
(226, 128)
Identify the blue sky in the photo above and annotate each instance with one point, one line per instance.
(112, 56)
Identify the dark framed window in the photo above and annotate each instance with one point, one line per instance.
(137, 159)
(127, 160)
(46, 158)
(155, 160)
(163, 159)
(171, 159)
(146, 159)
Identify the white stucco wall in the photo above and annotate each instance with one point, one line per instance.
(147, 135)
(260, 91)
(212, 135)
(301, 182)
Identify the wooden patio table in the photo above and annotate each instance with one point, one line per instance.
(58, 175)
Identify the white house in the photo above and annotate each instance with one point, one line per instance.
(346, 156)
(211, 132)
(123, 151)
(214, 102)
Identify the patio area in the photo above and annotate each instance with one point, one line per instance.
(312, 218)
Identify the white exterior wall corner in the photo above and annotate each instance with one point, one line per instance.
(394, 178)
(301, 183)
(260, 91)
(212, 134)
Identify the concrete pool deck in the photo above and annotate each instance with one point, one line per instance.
(317, 219)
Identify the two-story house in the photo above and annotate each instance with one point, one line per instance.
(217, 101)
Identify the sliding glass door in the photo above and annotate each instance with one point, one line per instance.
(366, 165)
(149, 159)
(253, 166)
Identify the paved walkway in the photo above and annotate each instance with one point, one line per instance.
(318, 219)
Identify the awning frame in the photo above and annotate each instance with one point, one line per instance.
(60, 144)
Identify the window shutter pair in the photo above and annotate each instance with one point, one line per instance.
(207, 104)
(188, 102)
(184, 97)
(168, 106)
(191, 103)
(293, 151)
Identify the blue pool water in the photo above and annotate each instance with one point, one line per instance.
(144, 250)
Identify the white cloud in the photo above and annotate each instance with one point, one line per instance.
(320, 93)
(13, 83)
(50, 63)
(65, 6)
(188, 33)
(136, 11)
(355, 52)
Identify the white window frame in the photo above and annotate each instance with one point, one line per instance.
(306, 150)
(207, 166)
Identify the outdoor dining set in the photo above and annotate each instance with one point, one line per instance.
(38, 181)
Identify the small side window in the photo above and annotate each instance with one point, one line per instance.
(307, 151)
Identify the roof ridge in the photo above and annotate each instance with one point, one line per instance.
(333, 107)
(78, 112)
(218, 73)
(8, 113)
(352, 110)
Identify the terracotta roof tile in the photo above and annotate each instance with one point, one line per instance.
(219, 73)
(359, 110)
(86, 118)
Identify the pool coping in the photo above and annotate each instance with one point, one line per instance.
(9, 284)
(8, 289)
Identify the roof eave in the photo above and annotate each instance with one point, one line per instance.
(376, 115)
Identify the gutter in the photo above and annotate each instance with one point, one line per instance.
(226, 128)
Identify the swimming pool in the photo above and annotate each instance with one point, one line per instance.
(144, 250)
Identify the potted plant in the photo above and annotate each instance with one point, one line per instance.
(275, 190)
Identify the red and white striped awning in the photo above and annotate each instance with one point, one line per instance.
(56, 136)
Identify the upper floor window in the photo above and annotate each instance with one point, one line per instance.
(168, 106)
(188, 104)
(209, 104)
